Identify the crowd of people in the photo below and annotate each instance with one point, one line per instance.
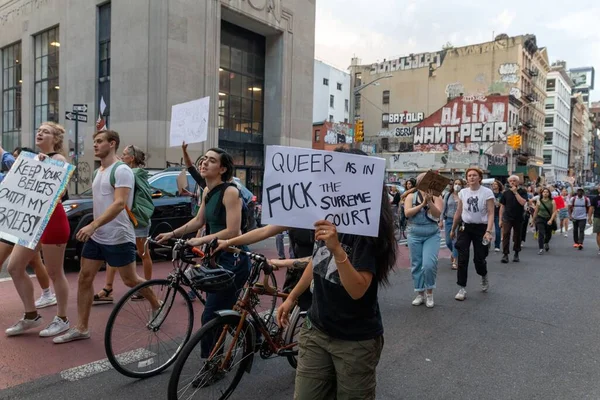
(336, 277)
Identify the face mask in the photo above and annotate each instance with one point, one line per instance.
(457, 188)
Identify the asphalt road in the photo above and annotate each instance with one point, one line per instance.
(534, 335)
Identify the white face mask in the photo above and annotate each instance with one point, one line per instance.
(457, 188)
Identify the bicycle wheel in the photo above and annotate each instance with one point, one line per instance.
(197, 375)
(140, 343)
(292, 333)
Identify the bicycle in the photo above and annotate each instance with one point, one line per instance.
(132, 324)
(228, 342)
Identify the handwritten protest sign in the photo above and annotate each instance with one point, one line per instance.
(434, 182)
(28, 195)
(189, 122)
(302, 186)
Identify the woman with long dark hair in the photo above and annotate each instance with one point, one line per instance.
(544, 217)
(449, 208)
(342, 337)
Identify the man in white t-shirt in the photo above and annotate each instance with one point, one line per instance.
(110, 236)
(476, 211)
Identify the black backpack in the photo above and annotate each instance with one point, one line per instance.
(220, 189)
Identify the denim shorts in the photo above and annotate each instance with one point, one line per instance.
(115, 255)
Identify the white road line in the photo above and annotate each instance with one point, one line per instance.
(97, 367)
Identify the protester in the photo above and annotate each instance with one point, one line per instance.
(594, 211)
(545, 219)
(110, 236)
(221, 211)
(476, 210)
(135, 158)
(511, 215)
(563, 213)
(49, 139)
(578, 213)
(448, 211)
(423, 211)
(342, 337)
(497, 188)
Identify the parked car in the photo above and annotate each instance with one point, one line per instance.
(171, 209)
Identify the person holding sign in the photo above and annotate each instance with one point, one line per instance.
(423, 211)
(342, 337)
(221, 212)
(110, 237)
(476, 210)
(49, 138)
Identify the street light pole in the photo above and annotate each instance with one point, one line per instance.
(358, 89)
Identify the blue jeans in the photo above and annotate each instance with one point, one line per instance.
(449, 242)
(498, 239)
(424, 251)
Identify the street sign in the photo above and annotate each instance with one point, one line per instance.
(80, 108)
(75, 117)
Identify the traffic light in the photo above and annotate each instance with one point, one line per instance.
(359, 133)
(514, 141)
(518, 141)
(510, 140)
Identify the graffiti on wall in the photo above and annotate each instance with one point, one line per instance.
(461, 122)
(455, 89)
(84, 173)
(500, 44)
(404, 118)
(399, 132)
(516, 92)
(413, 61)
(509, 73)
(338, 133)
(418, 161)
(478, 96)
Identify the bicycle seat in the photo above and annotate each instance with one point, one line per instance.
(211, 280)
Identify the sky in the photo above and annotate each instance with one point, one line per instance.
(376, 29)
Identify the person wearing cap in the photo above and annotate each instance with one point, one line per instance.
(578, 213)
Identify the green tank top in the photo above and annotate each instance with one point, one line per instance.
(215, 221)
(542, 212)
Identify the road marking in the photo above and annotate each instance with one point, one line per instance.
(97, 367)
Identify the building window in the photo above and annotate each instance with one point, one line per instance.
(357, 79)
(550, 85)
(547, 156)
(241, 80)
(331, 100)
(548, 138)
(346, 105)
(339, 86)
(330, 118)
(549, 122)
(357, 101)
(317, 135)
(325, 81)
(11, 95)
(104, 22)
(386, 97)
(549, 103)
(385, 121)
(47, 46)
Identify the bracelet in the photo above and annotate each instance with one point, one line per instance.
(343, 261)
(490, 232)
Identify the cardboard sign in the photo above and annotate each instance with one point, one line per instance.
(28, 195)
(560, 202)
(182, 182)
(433, 182)
(521, 177)
(302, 186)
(533, 174)
(189, 122)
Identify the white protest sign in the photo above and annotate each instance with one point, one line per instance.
(302, 186)
(28, 195)
(189, 122)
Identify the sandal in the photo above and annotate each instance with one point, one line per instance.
(103, 297)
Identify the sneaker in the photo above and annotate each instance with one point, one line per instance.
(497, 250)
(504, 259)
(23, 325)
(72, 335)
(429, 300)
(418, 300)
(516, 257)
(541, 252)
(56, 326)
(46, 301)
(575, 245)
(566, 234)
(580, 247)
(485, 284)
(546, 246)
(461, 295)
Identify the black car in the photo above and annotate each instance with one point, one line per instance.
(171, 209)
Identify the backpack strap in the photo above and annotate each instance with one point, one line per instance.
(113, 171)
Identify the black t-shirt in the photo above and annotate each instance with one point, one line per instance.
(396, 200)
(595, 202)
(303, 243)
(333, 311)
(513, 210)
(498, 197)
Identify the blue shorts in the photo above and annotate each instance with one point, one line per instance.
(115, 255)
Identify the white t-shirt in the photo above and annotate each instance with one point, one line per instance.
(474, 207)
(119, 230)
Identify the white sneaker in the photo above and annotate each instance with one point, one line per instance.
(24, 325)
(461, 295)
(497, 249)
(566, 235)
(485, 284)
(56, 326)
(418, 300)
(429, 300)
(45, 301)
